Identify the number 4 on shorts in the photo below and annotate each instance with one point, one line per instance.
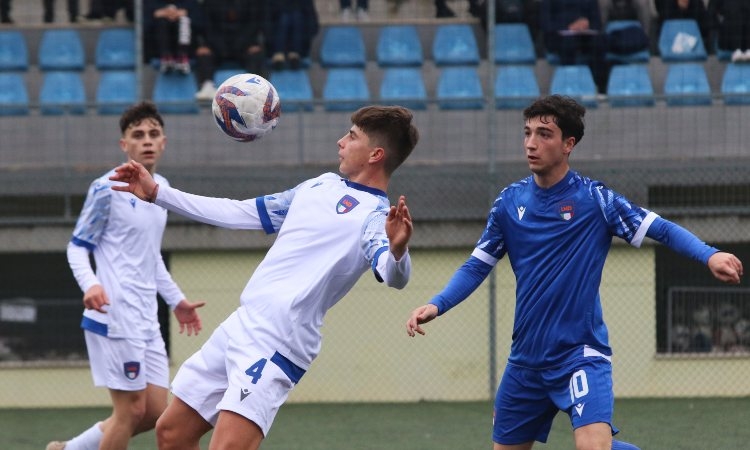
(256, 370)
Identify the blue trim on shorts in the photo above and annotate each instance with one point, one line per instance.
(293, 371)
(94, 326)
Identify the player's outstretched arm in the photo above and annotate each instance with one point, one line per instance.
(725, 267)
(399, 227)
(188, 317)
(139, 181)
(421, 315)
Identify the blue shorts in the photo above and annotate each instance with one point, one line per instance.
(528, 399)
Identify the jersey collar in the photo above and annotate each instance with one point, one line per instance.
(362, 187)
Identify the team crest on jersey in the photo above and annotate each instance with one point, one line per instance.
(132, 369)
(346, 204)
(566, 210)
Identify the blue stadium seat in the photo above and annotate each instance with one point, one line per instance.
(116, 91)
(515, 87)
(686, 84)
(641, 56)
(345, 89)
(513, 44)
(735, 84)
(14, 54)
(294, 89)
(342, 46)
(459, 88)
(399, 45)
(675, 39)
(62, 93)
(576, 82)
(14, 96)
(455, 45)
(115, 49)
(403, 86)
(61, 49)
(222, 75)
(630, 85)
(175, 93)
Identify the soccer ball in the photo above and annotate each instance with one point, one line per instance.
(246, 107)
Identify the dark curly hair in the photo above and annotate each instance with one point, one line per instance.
(564, 111)
(138, 113)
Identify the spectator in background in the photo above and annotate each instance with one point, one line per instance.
(107, 9)
(348, 15)
(510, 11)
(171, 26)
(731, 19)
(573, 30)
(628, 39)
(49, 11)
(234, 33)
(685, 9)
(5, 12)
(443, 11)
(619, 9)
(295, 24)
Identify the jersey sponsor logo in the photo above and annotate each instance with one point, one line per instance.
(346, 204)
(131, 369)
(566, 210)
(244, 392)
(521, 211)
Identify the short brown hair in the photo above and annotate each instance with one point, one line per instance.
(565, 111)
(138, 113)
(391, 128)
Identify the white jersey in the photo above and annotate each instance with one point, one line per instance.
(330, 231)
(124, 234)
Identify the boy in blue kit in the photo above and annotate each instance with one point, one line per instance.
(556, 227)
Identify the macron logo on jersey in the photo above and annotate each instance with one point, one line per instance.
(521, 211)
(346, 204)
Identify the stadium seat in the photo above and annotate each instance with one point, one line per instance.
(403, 86)
(641, 56)
(399, 45)
(575, 81)
(342, 46)
(115, 49)
(61, 49)
(14, 96)
(680, 41)
(116, 91)
(630, 85)
(735, 84)
(686, 84)
(175, 93)
(294, 89)
(222, 75)
(14, 54)
(345, 89)
(513, 44)
(455, 45)
(515, 86)
(62, 92)
(459, 88)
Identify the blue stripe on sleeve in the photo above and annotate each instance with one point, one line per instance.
(680, 240)
(265, 219)
(94, 326)
(378, 252)
(466, 280)
(82, 243)
(293, 371)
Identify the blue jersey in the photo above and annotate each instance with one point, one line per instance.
(557, 240)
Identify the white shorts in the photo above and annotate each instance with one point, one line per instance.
(236, 372)
(127, 364)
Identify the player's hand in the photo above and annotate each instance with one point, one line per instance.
(399, 227)
(96, 298)
(421, 315)
(726, 267)
(139, 181)
(188, 317)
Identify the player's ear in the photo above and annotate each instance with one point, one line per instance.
(123, 145)
(377, 154)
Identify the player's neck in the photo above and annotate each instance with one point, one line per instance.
(546, 180)
(370, 180)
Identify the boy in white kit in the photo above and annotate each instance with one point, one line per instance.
(330, 231)
(125, 347)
